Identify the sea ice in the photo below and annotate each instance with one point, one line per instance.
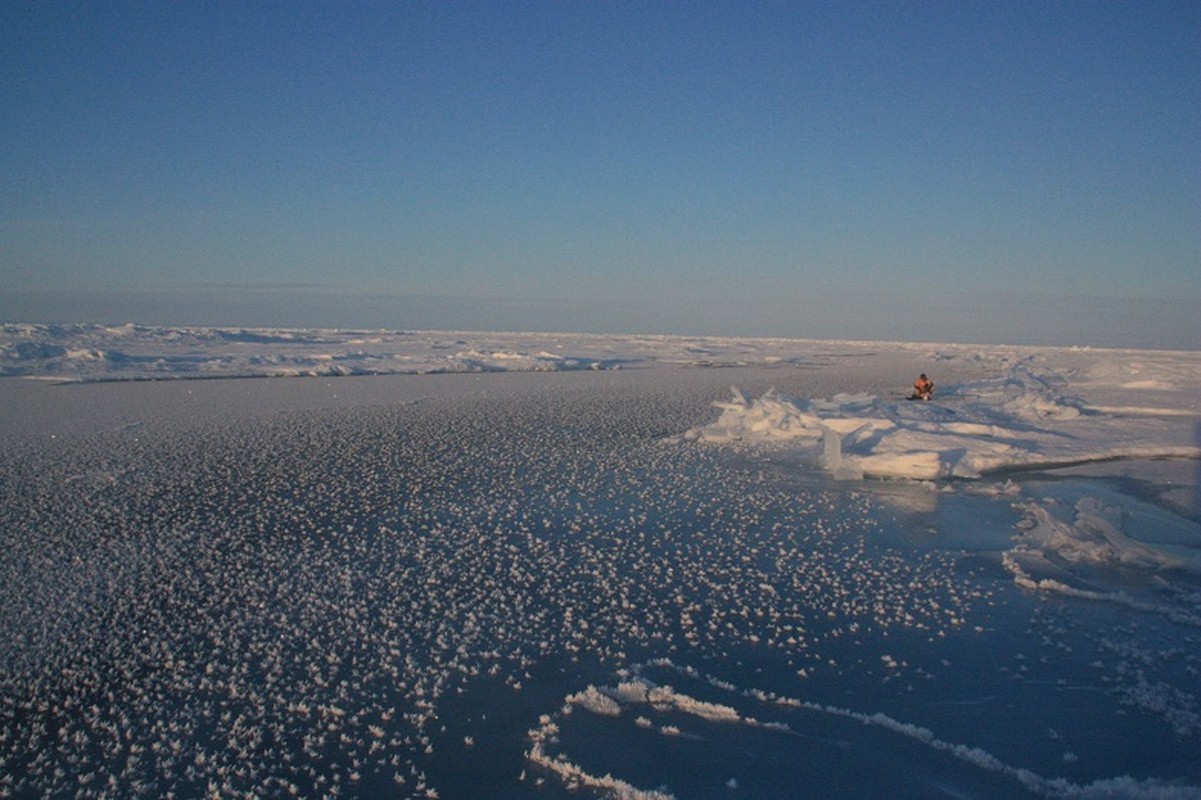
(592, 582)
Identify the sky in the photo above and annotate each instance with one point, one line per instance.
(1001, 172)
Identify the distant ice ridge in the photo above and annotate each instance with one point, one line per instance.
(86, 352)
(1025, 417)
(134, 352)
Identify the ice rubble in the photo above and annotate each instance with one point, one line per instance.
(1022, 418)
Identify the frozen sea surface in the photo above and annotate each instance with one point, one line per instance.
(595, 583)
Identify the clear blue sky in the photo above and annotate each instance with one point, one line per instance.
(976, 171)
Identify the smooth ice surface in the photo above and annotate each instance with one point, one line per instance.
(595, 581)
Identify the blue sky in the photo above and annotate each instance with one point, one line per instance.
(970, 171)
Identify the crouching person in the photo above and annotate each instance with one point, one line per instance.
(923, 388)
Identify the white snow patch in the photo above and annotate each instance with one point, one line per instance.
(1021, 419)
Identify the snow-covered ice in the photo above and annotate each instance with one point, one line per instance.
(136, 352)
(552, 576)
(1022, 417)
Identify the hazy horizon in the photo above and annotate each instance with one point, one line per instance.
(1038, 321)
(1016, 172)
